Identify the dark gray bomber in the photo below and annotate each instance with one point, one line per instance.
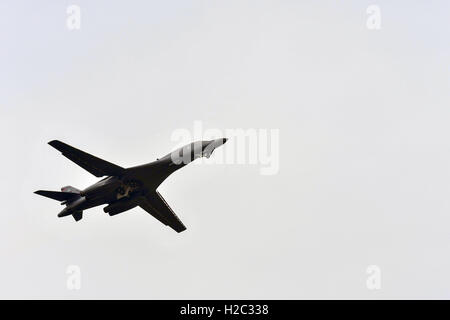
(123, 189)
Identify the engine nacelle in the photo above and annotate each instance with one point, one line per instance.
(120, 206)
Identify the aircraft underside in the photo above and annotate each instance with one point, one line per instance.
(124, 189)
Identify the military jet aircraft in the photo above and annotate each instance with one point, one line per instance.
(125, 188)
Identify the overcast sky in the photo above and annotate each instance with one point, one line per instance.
(364, 151)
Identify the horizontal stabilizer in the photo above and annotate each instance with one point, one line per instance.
(56, 195)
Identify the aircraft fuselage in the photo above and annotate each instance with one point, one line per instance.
(125, 188)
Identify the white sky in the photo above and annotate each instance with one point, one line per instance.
(363, 118)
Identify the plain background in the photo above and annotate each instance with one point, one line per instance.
(364, 155)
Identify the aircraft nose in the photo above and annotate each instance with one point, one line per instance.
(219, 142)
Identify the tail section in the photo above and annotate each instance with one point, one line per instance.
(78, 215)
(70, 189)
(67, 195)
